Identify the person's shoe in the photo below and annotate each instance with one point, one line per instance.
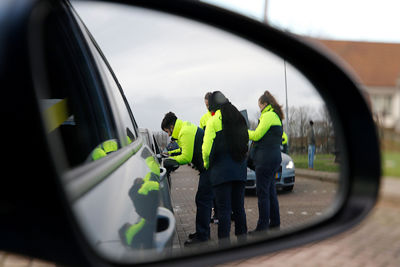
(192, 235)
(256, 231)
(242, 239)
(274, 227)
(194, 241)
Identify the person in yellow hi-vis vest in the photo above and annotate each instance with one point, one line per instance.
(266, 157)
(284, 148)
(203, 123)
(144, 194)
(190, 138)
(224, 151)
(207, 115)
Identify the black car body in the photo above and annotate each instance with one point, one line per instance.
(94, 138)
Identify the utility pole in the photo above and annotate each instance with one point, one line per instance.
(287, 104)
(265, 11)
(284, 66)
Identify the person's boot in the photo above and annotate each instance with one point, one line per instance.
(194, 241)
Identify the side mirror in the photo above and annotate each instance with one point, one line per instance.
(90, 202)
(159, 158)
(170, 164)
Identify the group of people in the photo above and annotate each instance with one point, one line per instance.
(218, 149)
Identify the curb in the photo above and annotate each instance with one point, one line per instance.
(318, 175)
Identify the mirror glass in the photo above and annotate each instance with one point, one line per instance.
(168, 63)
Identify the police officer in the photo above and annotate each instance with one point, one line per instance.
(190, 138)
(144, 195)
(104, 149)
(207, 115)
(266, 156)
(224, 154)
(145, 198)
(203, 122)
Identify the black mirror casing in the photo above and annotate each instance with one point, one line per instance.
(35, 218)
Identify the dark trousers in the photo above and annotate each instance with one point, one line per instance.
(204, 200)
(268, 205)
(230, 198)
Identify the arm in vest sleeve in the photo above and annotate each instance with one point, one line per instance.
(174, 152)
(268, 118)
(204, 119)
(186, 144)
(209, 136)
(284, 138)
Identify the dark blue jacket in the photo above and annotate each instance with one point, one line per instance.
(222, 167)
(267, 139)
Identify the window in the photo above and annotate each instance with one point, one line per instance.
(120, 104)
(382, 105)
(76, 110)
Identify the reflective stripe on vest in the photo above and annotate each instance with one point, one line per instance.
(133, 230)
(148, 186)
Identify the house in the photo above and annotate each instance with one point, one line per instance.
(377, 66)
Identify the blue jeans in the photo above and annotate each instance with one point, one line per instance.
(204, 202)
(311, 153)
(230, 198)
(268, 205)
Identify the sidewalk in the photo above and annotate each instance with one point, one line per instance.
(374, 242)
(390, 188)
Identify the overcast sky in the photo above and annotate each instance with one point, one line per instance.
(359, 20)
(165, 63)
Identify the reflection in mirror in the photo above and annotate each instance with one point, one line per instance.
(166, 63)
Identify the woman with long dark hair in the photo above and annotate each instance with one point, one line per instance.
(224, 149)
(266, 157)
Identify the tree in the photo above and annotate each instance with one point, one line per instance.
(325, 132)
(297, 127)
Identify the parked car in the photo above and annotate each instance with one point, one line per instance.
(81, 188)
(169, 166)
(151, 141)
(285, 177)
(114, 184)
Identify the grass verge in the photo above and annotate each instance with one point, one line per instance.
(322, 162)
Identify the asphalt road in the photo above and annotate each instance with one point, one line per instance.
(308, 201)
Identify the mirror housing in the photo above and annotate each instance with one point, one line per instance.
(42, 200)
